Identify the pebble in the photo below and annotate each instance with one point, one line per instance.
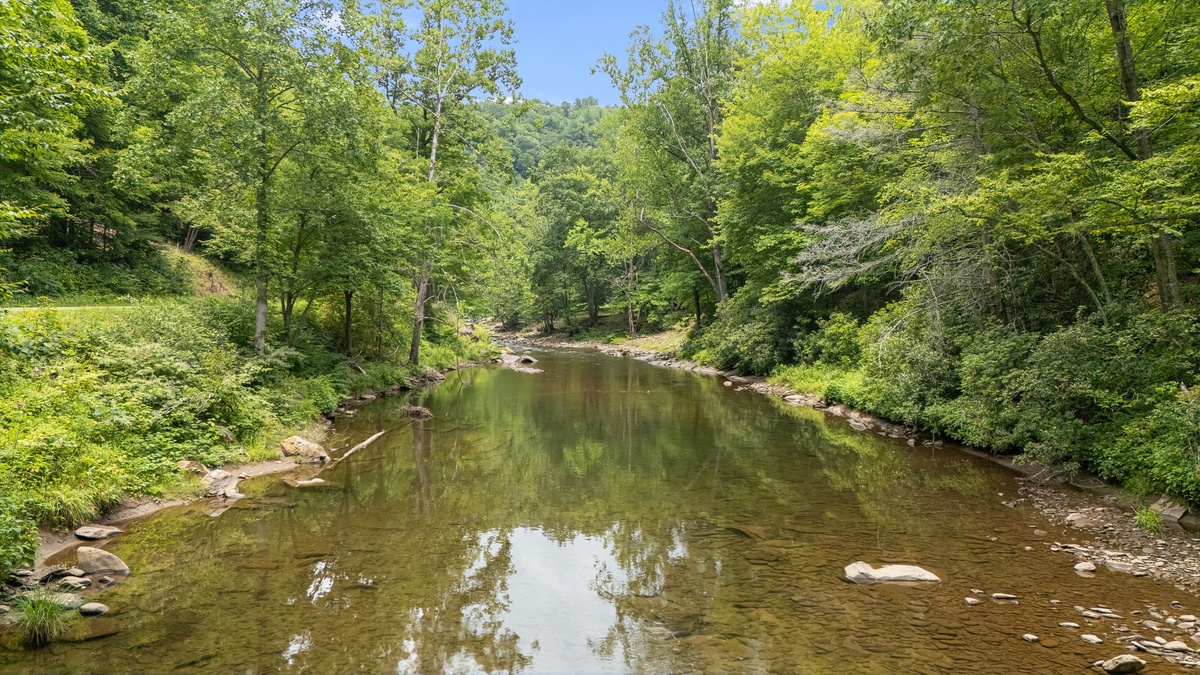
(1085, 567)
(1030, 637)
(1176, 646)
(1088, 637)
(972, 601)
(1069, 624)
(1003, 596)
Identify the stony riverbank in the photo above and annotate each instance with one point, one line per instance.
(1096, 515)
(219, 486)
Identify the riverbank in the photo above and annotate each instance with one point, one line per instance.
(1098, 519)
(98, 409)
(58, 541)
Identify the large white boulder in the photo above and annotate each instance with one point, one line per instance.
(863, 573)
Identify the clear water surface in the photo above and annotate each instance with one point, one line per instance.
(605, 516)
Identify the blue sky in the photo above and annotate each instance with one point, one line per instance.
(558, 42)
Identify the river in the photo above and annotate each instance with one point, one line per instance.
(605, 516)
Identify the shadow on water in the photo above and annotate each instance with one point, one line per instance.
(604, 516)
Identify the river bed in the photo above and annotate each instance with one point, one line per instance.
(607, 516)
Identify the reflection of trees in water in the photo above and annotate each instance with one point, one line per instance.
(416, 532)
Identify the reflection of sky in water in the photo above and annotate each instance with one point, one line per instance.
(296, 646)
(553, 602)
(322, 583)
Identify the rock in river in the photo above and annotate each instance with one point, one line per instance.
(220, 483)
(1125, 663)
(1085, 567)
(862, 573)
(95, 561)
(304, 450)
(93, 609)
(97, 532)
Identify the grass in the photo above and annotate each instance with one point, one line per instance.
(42, 619)
(1149, 520)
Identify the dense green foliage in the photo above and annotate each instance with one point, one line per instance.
(977, 218)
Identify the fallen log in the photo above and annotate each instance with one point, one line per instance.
(358, 447)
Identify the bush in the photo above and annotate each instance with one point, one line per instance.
(745, 337)
(18, 536)
(836, 342)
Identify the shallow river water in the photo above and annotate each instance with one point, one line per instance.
(605, 516)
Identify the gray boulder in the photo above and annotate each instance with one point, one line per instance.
(97, 532)
(1169, 509)
(304, 450)
(75, 583)
(96, 561)
(220, 483)
(67, 600)
(93, 609)
(863, 573)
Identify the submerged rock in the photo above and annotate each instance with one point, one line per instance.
(863, 573)
(1089, 638)
(97, 532)
(1123, 664)
(304, 450)
(96, 561)
(416, 412)
(1085, 567)
(75, 583)
(749, 531)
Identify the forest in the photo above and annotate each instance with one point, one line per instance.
(976, 218)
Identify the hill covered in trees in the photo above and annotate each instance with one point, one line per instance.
(978, 218)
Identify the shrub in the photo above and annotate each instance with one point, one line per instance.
(745, 336)
(18, 537)
(835, 342)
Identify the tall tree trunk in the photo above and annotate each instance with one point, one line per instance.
(379, 327)
(696, 302)
(990, 279)
(348, 324)
(721, 286)
(629, 299)
(593, 312)
(260, 265)
(1162, 244)
(414, 350)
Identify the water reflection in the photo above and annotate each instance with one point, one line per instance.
(602, 517)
